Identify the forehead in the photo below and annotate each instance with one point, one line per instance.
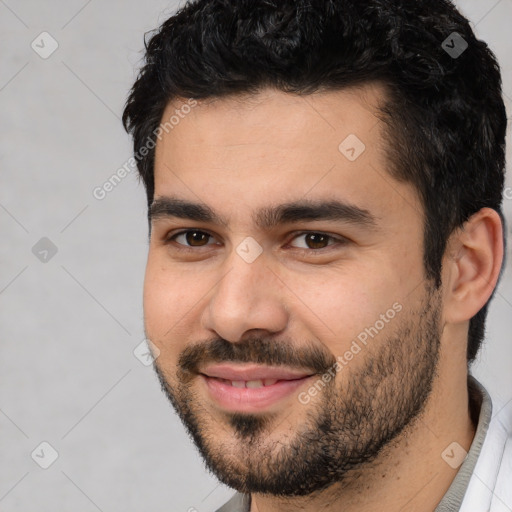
(247, 149)
(275, 117)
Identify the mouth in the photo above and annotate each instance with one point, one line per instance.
(251, 388)
(253, 384)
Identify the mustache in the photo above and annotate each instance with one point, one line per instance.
(264, 351)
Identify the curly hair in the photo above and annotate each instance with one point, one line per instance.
(444, 113)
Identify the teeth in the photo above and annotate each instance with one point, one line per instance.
(252, 383)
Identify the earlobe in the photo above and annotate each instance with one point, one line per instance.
(475, 256)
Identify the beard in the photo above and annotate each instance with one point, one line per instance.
(339, 434)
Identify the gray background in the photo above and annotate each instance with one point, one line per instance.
(69, 326)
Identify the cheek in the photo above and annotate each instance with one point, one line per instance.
(169, 299)
(338, 307)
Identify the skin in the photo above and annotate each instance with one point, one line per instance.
(238, 155)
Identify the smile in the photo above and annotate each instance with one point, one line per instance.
(228, 389)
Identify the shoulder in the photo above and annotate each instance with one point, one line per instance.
(489, 487)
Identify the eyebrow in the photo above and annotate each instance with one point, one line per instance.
(269, 217)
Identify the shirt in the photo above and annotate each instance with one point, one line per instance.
(479, 485)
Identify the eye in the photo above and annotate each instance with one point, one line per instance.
(191, 238)
(315, 242)
(318, 240)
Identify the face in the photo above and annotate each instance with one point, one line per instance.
(285, 287)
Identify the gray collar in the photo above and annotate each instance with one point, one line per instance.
(480, 407)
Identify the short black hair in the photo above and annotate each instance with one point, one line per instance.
(445, 115)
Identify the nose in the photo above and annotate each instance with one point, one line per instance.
(248, 297)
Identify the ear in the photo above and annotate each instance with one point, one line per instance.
(472, 265)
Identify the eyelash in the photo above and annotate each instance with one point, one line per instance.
(180, 247)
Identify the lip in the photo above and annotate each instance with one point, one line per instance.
(253, 372)
(252, 400)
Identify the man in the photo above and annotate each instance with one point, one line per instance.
(324, 183)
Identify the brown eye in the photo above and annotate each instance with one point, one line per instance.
(196, 237)
(191, 238)
(316, 241)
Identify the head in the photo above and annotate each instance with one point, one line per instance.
(353, 121)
